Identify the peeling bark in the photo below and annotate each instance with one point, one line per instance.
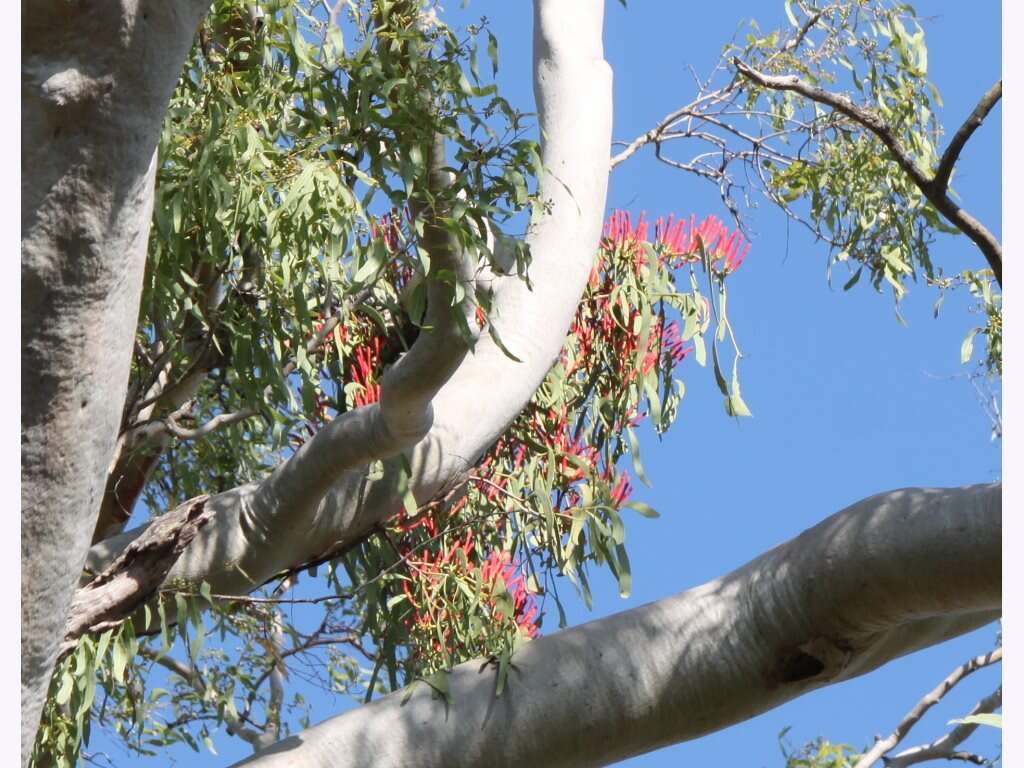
(112, 596)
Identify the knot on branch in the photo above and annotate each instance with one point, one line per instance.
(819, 657)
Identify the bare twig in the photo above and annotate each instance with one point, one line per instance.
(798, 38)
(277, 673)
(944, 748)
(661, 131)
(189, 674)
(218, 421)
(911, 719)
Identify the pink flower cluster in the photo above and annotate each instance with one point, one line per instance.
(679, 239)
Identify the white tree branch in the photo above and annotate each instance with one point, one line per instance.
(322, 497)
(890, 575)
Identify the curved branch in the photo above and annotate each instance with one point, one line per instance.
(933, 188)
(405, 413)
(888, 576)
(207, 427)
(956, 144)
(262, 529)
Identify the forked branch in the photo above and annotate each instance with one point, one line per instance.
(933, 187)
(933, 697)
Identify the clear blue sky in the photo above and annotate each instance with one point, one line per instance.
(847, 402)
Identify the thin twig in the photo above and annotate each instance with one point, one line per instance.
(191, 676)
(931, 187)
(944, 748)
(218, 421)
(930, 700)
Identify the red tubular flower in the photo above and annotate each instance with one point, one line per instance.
(678, 240)
(362, 371)
(501, 565)
(622, 490)
(619, 230)
(671, 235)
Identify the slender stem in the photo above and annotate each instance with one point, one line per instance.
(927, 702)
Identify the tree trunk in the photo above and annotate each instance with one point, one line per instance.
(888, 576)
(96, 81)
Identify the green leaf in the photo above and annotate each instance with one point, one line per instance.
(120, 659)
(700, 350)
(967, 347)
(719, 378)
(734, 406)
(439, 682)
(624, 572)
(405, 486)
(493, 331)
(643, 509)
(634, 452)
(102, 643)
(208, 742)
(502, 677)
(789, 13)
(67, 684)
(492, 52)
(987, 718)
(165, 631)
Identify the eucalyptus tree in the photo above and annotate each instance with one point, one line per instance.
(363, 333)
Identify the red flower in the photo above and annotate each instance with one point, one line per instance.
(500, 565)
(622, 490)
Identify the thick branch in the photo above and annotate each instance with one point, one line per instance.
(913, 717)
(883, 578)
(933, 188)
(405, 413)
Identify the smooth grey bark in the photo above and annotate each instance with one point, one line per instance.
(885, 577)
(96, 81)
